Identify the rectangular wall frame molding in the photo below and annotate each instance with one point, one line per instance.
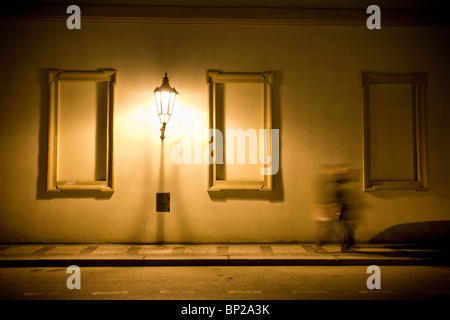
(99, 87)
(414, 84)
(214, 79)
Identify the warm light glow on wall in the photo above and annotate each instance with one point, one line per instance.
(138, 122)
(141, 122)
(189, 114)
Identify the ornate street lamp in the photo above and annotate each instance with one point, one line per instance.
(165, 100)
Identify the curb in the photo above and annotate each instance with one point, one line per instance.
(221, 261)
(104, 255)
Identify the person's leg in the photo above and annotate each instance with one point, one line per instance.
(346, 235)
(351, 233)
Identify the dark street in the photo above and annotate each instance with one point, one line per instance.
(227, 283)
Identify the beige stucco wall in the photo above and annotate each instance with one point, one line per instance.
(317, 100)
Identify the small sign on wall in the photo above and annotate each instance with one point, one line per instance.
(163, 202)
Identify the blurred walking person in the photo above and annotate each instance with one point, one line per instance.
(334, 199)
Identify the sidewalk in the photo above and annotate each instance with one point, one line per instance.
(51, 255)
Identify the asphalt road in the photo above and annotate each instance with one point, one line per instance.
(225, 283)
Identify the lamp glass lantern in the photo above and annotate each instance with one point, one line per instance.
(165, 100)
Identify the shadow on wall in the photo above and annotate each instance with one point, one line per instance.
(427, 232)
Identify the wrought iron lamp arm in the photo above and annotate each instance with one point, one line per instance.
(163, 129)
